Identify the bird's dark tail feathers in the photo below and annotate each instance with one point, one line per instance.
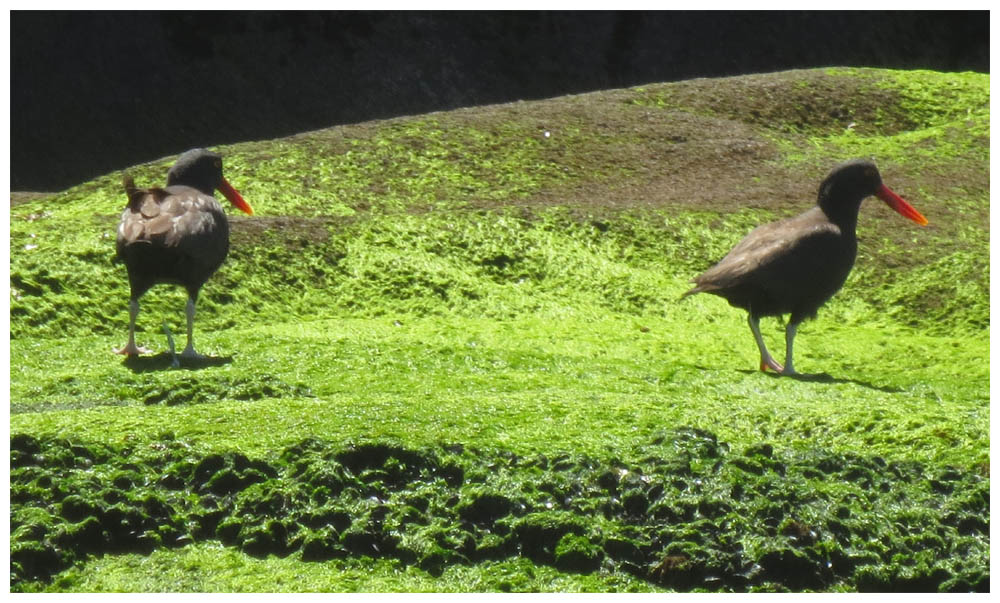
(129, 183)
(697, 289)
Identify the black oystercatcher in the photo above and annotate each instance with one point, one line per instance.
(177, 235)
(795, 265)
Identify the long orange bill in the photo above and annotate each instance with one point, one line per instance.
(234, 197)
(897, 203)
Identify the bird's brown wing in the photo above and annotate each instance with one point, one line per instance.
(778, 248)
(177, 217)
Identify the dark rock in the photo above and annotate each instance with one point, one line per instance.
(208, 467)
(36, 560)
(575, 553)
(791, 568)
(623, 549)
(85, 536)
(322, 546)
(485, 507)
(635, 503)
(75, 508)
(539, 533)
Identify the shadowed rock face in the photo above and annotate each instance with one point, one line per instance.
(95, 92)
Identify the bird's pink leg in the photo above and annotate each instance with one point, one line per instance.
(766, 362)
(130, 348)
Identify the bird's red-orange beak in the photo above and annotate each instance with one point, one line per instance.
(234, 197)
(897, 203)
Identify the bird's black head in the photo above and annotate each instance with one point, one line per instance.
(202, 170)
(847, 185)
(850, 182)
(198, 168)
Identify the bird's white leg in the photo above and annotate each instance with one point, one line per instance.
(789, 340)
(130, 348)
(189, 348)
(766, 361)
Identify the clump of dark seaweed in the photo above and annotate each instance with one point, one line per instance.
(690, 514)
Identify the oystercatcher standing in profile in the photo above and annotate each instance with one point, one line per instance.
(795, 265)
(177, 235)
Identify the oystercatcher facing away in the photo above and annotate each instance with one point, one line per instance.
(795, 265)
(177, 235)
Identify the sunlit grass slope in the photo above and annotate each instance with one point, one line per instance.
(450, 355)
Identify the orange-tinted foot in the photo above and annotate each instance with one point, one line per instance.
(770, 363)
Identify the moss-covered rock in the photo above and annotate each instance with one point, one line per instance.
(576, 553)
(685, 516)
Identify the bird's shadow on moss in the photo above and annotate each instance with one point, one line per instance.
(826, 378)
(165, 361)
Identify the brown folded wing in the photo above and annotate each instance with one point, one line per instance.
(172, 235)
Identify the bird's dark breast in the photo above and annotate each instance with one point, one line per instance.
(179, 238)
(791, 267)
(797, 283)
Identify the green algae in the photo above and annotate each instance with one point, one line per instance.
(682, 511)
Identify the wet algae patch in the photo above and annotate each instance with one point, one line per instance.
(680, 511)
